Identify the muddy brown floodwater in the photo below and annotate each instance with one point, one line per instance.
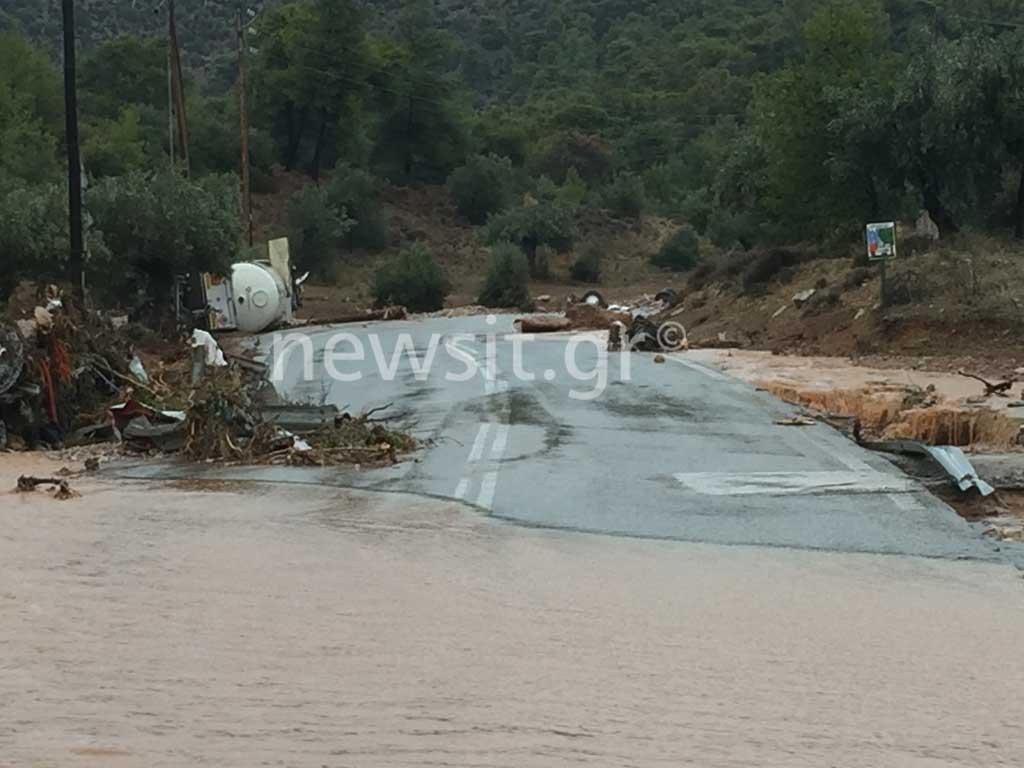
(295, 626)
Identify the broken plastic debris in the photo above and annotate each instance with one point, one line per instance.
(138, 370)
(214, 356)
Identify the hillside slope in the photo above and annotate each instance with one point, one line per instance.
(427, 214)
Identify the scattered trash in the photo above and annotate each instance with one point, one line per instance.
(61, 487)
(43, 318)
(214, 356)
(796, 421)
(138, 370)
(659, 359)
(594, 299)
(12, 357)
(803, 297)
(300, 418)
(668, 297)
(543, 298)
(779, 311)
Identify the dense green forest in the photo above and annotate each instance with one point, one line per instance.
(753, 121)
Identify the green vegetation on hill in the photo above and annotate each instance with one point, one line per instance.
(753, 121)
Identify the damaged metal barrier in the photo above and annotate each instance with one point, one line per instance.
(952, 460)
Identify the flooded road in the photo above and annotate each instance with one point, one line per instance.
(298, 626)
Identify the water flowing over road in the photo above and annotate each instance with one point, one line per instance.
(306, 627)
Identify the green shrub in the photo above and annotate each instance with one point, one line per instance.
(358, 193)
(415, 280)
(587, 268)
(767, 266)
(535, 224)
(508, 278)
(481, 187)
(625, 196)
(157, 226)
(680, 253)
(589, 154)
(316, 229)
(33, 234)
(729, 230)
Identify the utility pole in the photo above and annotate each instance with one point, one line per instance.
(243, 127)
(177, 88)
(170, 110)
(76, 258)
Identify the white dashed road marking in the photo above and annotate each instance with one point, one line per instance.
(477, 451)
(500, 442)
(486, 497)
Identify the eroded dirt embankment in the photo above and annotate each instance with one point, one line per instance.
(934, 407)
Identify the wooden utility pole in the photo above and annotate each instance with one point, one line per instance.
(243, 127)
(170, 110)
(76, 258)
(177, 88)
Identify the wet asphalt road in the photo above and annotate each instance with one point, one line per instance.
(674, 450)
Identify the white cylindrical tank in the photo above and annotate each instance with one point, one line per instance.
(260, 295)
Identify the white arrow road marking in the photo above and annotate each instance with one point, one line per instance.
(793, 483)
(461, 488)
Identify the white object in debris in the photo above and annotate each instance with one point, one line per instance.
(958, 467)
(780, 310)
(214, 356)
(925, 226)
(138, 370)
(43, 317)
(803, 297)
(300, 445)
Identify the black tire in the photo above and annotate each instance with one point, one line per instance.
(668, 296)
(594, 297)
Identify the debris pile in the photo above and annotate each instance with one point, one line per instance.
(61, 488)
(648, 325)
(72, 378)
(227, 421)
(60, 371)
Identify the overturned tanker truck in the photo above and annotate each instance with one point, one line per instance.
(257, 295)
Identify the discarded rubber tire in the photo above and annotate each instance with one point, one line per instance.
(594, 298)
(668, 296)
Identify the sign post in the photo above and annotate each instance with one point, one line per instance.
(881, 242)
